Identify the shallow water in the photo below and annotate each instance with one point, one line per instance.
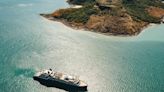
(29, 43)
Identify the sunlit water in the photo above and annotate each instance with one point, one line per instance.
(29, 43)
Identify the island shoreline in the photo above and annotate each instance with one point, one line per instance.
(83, 28)
(122, 24)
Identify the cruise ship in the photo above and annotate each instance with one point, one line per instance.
(67, 82)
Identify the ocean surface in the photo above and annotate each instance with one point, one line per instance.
(29, 43)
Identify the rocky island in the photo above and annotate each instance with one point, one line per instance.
(116, 17)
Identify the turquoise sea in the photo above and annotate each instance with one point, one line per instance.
(29, 43)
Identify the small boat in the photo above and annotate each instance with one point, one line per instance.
(67, 82)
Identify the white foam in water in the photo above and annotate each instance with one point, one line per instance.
(25, 5)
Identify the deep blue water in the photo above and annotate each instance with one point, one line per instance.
(29, 43)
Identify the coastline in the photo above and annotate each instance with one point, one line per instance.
(84, 28)
(103, 22)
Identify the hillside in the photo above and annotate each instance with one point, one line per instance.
(117, 17)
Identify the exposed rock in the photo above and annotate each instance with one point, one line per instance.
(108, 2)
(162, 20)
(115, 25)
(156, 12)
(59, 13)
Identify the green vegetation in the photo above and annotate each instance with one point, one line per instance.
(135, 8)
(81, 2)
(80, 15)
(138, 12)
(145, 3)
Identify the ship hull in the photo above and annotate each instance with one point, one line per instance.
(58, 84)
